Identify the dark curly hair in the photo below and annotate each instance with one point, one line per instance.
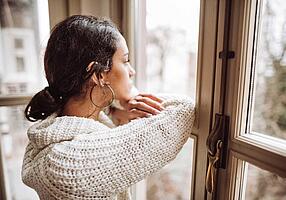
(73, 44)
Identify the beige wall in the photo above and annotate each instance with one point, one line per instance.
(121, 12)
(60, 9)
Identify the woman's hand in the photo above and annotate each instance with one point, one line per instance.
(142, 105)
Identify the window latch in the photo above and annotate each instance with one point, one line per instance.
(217, 149)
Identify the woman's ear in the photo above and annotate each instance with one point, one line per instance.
(95, 79)
(104, 77)
(101, 80)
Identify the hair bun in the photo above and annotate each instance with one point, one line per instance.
(53, 95)
(42, 105)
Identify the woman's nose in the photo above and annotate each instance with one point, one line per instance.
(132, 72)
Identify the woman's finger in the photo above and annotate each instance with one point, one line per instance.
(151, 96)
(150, 102)
(124, 116)
(139, 113)
(143, 107)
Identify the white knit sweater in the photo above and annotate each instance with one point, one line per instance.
(79, 158)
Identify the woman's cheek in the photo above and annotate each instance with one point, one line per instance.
(126, 93)
(122, 92)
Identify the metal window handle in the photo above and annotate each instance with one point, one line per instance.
(212, 168)
(217, 151)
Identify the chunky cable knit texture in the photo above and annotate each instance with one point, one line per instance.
(79, 158)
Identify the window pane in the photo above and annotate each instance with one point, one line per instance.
(20, 64)
(13, 141)
(172, 46)
(22, 33)
(263, 185)
(24, 29)
(18, 43)
(173, 182)
(171, 51)
(269, 110)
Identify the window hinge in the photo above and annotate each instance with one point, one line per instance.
(217, 150)
(226, 54)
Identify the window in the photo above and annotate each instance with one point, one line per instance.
(262, 184)
(269, 75)
(11, 88)
(255, 102)
(172, 44)
(20, 64)
(21, 38)
(182, 68)
(18, 43)
(171, 50)
(13, 142)
(22, 88)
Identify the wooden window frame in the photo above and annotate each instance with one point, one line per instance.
(250, 147)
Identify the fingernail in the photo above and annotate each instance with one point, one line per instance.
(162, 108)
(138, 97)
(149, 115)
(158, 112)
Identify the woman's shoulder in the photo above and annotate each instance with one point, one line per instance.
(56, 129)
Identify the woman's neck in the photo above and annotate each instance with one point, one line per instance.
(80, 108)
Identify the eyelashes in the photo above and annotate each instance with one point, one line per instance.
(127, 61)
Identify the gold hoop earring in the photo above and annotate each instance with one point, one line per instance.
(109, 103)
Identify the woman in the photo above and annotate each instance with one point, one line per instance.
(75, 150)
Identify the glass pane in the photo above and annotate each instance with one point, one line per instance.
(172, 42)
(171, 50)
(263, 185)
(13, 141)
(269, 109)
(20, 64)
(24, 27)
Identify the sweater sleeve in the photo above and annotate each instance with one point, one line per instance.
(110, 160)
